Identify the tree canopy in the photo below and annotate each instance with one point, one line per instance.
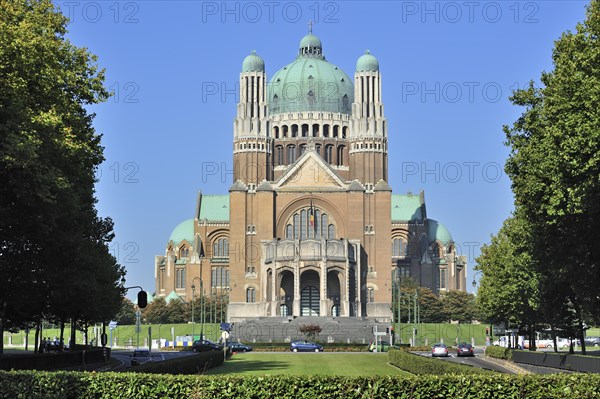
(54, 259)
(546, 256)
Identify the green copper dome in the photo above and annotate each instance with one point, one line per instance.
(253, 63)
(310, 83)
(438, 231)
(183, 231)
(309, 41)
(367, 63)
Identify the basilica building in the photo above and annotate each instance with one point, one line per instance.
(310, 226)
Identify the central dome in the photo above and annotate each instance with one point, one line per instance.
(310, 83)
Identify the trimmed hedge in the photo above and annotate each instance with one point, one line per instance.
(498, 352)
(193, 364)
(421, 365)
(71, 385)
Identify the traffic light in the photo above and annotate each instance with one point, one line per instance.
(142, 301)
(387, 330)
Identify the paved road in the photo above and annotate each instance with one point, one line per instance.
(475, 361)
(124, 357)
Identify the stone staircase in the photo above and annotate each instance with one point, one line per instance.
(357, 330)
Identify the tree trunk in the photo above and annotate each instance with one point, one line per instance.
(72, 339)
(36, 341)
(62, 334)
(554, 337)
(580, 325)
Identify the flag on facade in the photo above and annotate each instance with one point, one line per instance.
(312, 214)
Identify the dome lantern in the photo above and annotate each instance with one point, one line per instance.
(253, 63)
(367, 63)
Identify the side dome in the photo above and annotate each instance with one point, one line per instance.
(310, 83)
(439, 232)
(183, 231)
(367, 63)
(253, 63)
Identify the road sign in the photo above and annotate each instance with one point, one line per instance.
(381, 333)
(112, 325)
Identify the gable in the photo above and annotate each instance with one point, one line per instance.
(311, 171)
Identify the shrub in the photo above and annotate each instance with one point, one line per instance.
(75, 385)
(421, 365)
(310, 331)
(498, 352)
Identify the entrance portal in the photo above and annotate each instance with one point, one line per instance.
(310, 301)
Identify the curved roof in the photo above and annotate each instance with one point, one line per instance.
(437, 231)
(367, 63)
(310, 83)
(253, 63)
(183, 231)
(214, 208)
(406, 208)
(172, 296)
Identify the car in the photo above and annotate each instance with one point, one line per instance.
(592, 341)
(140, 356)
(239, 347)
(301, 345)
(439, 350)
(465, 349)
(204, 345)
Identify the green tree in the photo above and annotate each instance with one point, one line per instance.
(460, 306)
(156, 312)
(126, 315)
(509, 289)
(48, 154)
(554, 167)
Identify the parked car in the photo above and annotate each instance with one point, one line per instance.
(439, 350)
(239, 347)
(592, 341)
(204, 345)
(140, 356)
(302, 345)
(465, 349)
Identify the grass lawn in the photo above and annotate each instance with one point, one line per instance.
(354, 364)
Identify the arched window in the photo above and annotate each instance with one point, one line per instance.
(184, 252)
(340, 155)
(370, 295)
(336, 129)
(302, 149)
(399, 247)
(296, 226)
(328, 153)
(276, 132)
(275, 103)
(300, 225)
(304, 130)
(294, 130)
(279, 155)
(250, 295)
(325, 130)
(303, 224)
(221, 248)
(291, 149)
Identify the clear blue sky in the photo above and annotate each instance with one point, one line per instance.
(448, 69)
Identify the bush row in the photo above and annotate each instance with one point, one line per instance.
(193, 364)
(498, 352)
(421, 365)
(71, 385)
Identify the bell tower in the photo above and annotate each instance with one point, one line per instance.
(368, 142)
(251, 141)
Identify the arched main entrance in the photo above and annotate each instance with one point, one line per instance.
(309, 295)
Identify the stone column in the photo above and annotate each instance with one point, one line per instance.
(324, 303)
(296, 304)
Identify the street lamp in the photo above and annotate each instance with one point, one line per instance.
(193, 287)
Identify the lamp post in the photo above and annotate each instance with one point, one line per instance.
(193, 287)
(193, 294)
